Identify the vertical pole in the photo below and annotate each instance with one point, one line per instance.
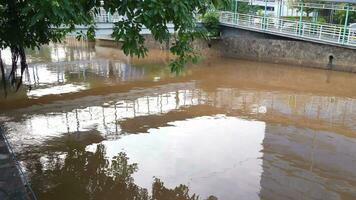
(287, 11)
(282, 8)
(264, 16)
(301, 18)
(345, 25)
(340, 32)
(235, 12)
(232, 6)
(331, 18)
(292, 9)
(279, 13)
(109, 17)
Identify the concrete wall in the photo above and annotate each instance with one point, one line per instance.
(150, 42)
(239, 43)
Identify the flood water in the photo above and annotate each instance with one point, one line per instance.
(98, 125)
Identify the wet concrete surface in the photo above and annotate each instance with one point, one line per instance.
(11, 185)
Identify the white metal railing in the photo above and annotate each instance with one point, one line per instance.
(325, 6)
(326, 33)
(319, 5)
(104, 17)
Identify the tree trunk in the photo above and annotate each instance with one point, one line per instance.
(3, 74)
(16, 53)
(23, 65)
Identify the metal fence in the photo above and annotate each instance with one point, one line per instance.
(325, 5)
(105, 17)
(324, 33)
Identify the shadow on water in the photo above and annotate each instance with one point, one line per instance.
(76, 173)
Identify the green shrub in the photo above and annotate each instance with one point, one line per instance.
(211, 23)
(91, 33)
(321, 20)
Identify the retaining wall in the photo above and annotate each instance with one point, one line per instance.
(239, 43)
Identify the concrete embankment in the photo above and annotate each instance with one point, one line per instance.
(12, 185)
(244, 44)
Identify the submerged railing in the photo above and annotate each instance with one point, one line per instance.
(322, 33)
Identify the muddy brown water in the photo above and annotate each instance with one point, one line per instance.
(99, 125)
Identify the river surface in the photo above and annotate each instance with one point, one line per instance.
(90, 123)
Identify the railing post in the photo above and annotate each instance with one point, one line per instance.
(232, 6)
(109, 17)
(235, 12)
(300, 18)
(237, 18)
(340, 32)
(282, 8)
(279, 13)
(320, 31)
(264, 16)
(345, 25)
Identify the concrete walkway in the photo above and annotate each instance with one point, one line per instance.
(11, 185)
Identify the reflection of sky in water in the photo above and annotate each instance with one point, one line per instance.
(205, 153)
(60, 89)
(42, 75)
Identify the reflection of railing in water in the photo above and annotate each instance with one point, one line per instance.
(104, 118)
(322, 33)
(63, 72)
(332, 110)
(102, 114)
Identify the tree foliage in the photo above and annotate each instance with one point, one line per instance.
(211, 23)
(340, 17)
(33, 23)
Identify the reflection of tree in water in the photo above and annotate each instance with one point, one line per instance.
(90, 175)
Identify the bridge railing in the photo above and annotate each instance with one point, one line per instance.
(104, 17)
(326, 33)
